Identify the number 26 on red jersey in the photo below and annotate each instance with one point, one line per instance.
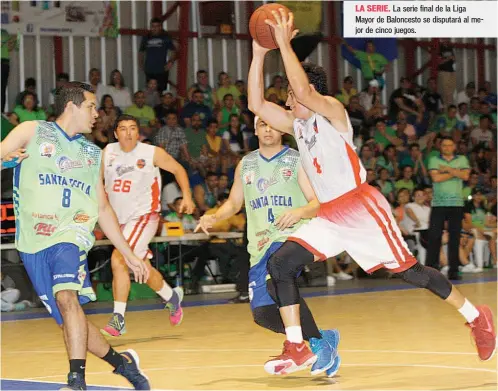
(121, 186)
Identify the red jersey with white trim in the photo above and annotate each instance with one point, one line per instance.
(132, 182)
(328, 157)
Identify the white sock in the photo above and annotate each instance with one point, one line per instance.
(165, 292)
(294, 334)
(119, 308)
(468, 311)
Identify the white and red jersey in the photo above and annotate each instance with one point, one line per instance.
(328, 157)
(132, 182)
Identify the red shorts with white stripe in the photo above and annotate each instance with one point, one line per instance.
(139, 232)
(361, 223)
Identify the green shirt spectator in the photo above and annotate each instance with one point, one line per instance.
(406, 184)
(381, 140)
(144, 114)
(24, 114)
(196, 139)
(448, 192)
(371, 63)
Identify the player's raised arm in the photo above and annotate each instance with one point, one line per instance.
(308, 211)
(165, 161)
(13, 147)
(229, 208)
(274, 115)
(109, 224)
(314, 99)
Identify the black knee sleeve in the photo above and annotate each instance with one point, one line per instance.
(283, 267)
(428, 278)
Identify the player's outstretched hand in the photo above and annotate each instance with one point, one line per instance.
(139, 268)
(187, 206)
(206, 222)
(283, 27)
(288, 219)
(18, 155)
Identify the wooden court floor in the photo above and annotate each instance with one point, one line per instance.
(392, 340)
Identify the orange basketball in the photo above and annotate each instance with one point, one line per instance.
(259, 30)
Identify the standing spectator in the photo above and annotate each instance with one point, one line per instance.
(153, 56)
(195, 106)
(447, 74)
(168, 105)
(144, 114)
(347, 91)
(466, 95)
(8, 44)
(373, 64)
(152, 97)
(203, 85)
(447, 173)
(119, 92)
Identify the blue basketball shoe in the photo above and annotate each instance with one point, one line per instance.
(333, 337)
(324, 353)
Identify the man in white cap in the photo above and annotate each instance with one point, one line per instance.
(369, 97)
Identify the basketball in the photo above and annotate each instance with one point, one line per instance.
(259, 30)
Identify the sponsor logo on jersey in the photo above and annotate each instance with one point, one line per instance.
(121, 169)
(47, 150)
(140, 163)
(67, 275)
(249, 178)
(43, 216)
(263, 184)
(286, 173)
(66, 164)
(44, 229)
(263, 242)
(81, 217)
(311, 142)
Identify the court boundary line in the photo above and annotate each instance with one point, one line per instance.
(12, 317)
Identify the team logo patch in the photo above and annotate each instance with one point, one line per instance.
(80, 217)
(263, 184)
(140, 163)
(66, 164)
(286, 173)
(47, 150)
(249, 178)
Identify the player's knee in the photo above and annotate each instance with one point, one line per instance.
(427, 278)
(278, 268)
(66, 300)
(118, 262)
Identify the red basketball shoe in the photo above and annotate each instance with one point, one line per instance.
(294, 357)
(482, 330)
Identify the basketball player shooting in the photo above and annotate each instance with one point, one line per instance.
(353, 216)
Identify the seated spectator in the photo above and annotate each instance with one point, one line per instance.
(213, 140)
(99, 134)
(170, 193)
(152, 97)
(385, 135)
(482, 135)
(222, 249)
(206, 194)
(347, 91)
(195, 106)
(277, 89)
(234, 139)
(119, 92)
(29, 86)
(466, 95)
(404, 130)
(356, 114)
(223, 184)
(60, 80)
(202, 84)
(229, 108)
(471, 185)
(372, 177)
(462, 116)
(479, 162)
(94, 77)
(475, 111)
(367, 157)
(415, 160)
(168, 105)
(418, 222)
(28, 110)
(448, 124)
(403, 99)
(432, 99)
(402, 199)
(109, 113)
(490, 95)
(386, 187)
(406, 180)
(9, 296)
(225, 87)
(145, 115)
(485, 109)
(241, 86)
(369, 98)
(389, 161)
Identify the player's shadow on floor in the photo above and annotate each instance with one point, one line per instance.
(132, 341)
(280, 382)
